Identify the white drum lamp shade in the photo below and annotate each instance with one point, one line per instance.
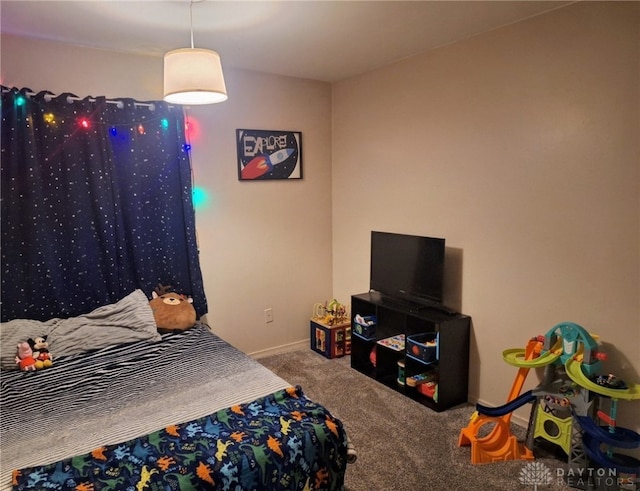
(193, 76)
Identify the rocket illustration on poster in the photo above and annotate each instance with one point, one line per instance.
(269, 154)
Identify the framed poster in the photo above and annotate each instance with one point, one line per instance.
(269, 154)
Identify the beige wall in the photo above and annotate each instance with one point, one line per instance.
(520, 147)
(262, 244)
(265, 244)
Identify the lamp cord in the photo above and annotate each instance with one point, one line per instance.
(191, 20)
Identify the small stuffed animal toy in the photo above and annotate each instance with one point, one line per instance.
(24, 358)
(41, 353)
(172, 311)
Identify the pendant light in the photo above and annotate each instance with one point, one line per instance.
(193, 76)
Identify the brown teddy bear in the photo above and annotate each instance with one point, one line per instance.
(172, 311)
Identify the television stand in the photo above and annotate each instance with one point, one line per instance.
(388, 357)
(411, 305)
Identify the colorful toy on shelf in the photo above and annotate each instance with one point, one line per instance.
(423, 346)
(421, 378)
(330, 333)
(401, 376)
(330, 313)
(395, 343)
(373, 356)
(364, 326)
(426, 383)
(565, 407)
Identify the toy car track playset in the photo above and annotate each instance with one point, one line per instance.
(574, 407)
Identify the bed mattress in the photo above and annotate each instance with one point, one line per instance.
(119, 393)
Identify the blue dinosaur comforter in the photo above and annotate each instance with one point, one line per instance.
(282, 441)
(187, 412)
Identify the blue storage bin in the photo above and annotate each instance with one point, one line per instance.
(364, 326)
(423, 346)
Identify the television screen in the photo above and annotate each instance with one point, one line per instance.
(409, 267)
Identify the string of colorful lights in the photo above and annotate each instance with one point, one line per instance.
(199, 195)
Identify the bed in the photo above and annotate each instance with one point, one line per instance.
(126, 408)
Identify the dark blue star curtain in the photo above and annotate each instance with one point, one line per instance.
(96, 202)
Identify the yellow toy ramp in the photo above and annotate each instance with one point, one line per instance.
(575, 373)
(516, 357)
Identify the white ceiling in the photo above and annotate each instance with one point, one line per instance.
(320, 40)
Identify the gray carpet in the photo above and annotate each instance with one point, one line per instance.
(402, 445)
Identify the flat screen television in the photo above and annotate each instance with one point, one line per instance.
(407, 267)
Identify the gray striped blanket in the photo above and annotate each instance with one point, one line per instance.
(118, 393)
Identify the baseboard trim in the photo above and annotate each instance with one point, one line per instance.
(285, 348)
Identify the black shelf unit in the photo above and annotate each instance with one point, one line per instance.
(395, 317)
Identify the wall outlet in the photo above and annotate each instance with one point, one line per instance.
(268, 315)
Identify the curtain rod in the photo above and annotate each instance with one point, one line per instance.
(70, 99)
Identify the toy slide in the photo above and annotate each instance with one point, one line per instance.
(575, 373)
(523, 359)
(620, 437)
(500, 444)
(508, 407)
(518, 357)
(623, 463)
